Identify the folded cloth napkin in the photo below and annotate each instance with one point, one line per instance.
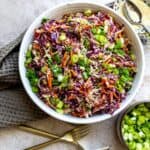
(15, 105)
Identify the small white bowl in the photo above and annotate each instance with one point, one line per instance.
(121, 118)
(57, 12)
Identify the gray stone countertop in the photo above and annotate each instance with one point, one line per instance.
(16, 16)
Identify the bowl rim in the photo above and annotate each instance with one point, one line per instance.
(41, 104)
(121, 117)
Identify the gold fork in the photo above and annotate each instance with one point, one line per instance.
(71, 136)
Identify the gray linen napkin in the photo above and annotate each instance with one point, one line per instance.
(15, 105)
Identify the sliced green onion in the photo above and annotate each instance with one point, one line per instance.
(57, 58)
(28, 61)
(85, 75)
(119, 43)
(56, 70)
(35, 89)
(74, 58)
(62, 37)
(94, 30)
(132, 56)
(68, 48)
(60, 104)
(119, 52)
(60, 77)
(101, 38)
(141, 120)
(60, 111)
(86, 43)
(98, 30)
(65, 81)
(45, 20)
(49, 61)
(29, 54)
(83, 61)
(88, 12)
(44, 69)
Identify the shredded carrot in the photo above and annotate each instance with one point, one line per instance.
(115, 95)
(49, 79)
(71, 53)
(74, 73)
(36, 46)
(71, 97)
(108, 60)
(65, 59)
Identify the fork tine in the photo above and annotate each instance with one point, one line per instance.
(84, 134)
(80, 128)
(76, 137)
(81, 131)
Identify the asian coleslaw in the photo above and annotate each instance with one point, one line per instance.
(81, 64)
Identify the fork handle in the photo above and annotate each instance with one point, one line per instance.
(37, 131)
(36, 147)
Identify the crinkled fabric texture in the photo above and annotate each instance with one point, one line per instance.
(15, 106)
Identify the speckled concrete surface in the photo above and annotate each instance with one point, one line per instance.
(15, 16)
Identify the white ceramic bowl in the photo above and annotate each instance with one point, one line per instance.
(57, 12)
